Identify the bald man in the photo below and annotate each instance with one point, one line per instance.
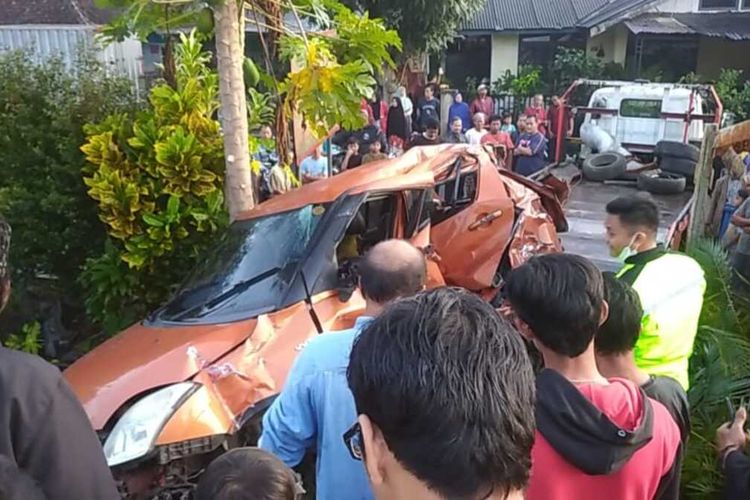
(316, 407)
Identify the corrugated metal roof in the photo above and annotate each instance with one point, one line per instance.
(615, 11)
(545, 15)
(730, 25)
(20, 12)
(657, 26)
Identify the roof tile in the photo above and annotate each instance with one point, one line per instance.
(17, 12)
(545, 15)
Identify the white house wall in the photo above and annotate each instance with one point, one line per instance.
(504, 55)
(613, 42)
(46, 41)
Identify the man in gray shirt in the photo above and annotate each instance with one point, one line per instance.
(741, 261)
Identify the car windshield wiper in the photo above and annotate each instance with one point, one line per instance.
(233, 291)
(181, 297)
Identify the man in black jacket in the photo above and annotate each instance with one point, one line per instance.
(731, 440)
(43, 428)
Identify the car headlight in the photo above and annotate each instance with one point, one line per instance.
(134, 434)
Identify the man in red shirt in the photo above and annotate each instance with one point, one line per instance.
(496, 138)
(483, 103)
(537, 109)
(596, 437)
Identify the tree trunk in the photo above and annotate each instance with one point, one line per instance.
(238, 184)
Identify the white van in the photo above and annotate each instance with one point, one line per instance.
(638, 115)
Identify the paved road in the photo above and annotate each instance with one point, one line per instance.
(586, 214)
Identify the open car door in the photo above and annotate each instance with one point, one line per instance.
(472, 224)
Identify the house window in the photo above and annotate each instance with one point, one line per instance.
(719, 4)
(640, 108)
(746, 4)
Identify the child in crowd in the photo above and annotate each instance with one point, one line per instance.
(509, 128)
(375, 153)
(248, 474)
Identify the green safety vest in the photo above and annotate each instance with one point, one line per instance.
(671, 289)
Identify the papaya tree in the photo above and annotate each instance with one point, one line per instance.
(335, 69)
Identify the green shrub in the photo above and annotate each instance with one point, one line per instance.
(43, 108)
(572, 64)
(157, 177)
(734, 92)
(27, 340)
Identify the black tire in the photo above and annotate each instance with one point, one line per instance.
(663, 183)
(674, 149)
(604, 166)
(681, 166)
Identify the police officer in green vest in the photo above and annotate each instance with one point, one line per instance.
(670, 285)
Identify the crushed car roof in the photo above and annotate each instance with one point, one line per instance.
(423, 164)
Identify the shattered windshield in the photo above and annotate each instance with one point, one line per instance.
(249, 268)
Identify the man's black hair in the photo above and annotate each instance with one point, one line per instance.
(247, 474)
(560, 297)
(619, 334)
(449, 384)
(432, 124)
(456, 119)
(495, 118)
(352, 140)
(635, 212)
(382, 281)
(507, 114)
(743, 193)
(15, 484)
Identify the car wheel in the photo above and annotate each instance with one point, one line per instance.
(674, 149)
(604, 166)
(681, 166)
(662, 183)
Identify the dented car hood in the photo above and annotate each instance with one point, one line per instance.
(143, 358)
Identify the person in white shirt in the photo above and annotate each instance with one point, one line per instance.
(474, 136)
(408, 106)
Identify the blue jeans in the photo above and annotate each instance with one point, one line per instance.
(726, 217)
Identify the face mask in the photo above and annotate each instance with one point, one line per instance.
(627, 252)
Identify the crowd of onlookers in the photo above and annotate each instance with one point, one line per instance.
(574, 388)
(729, 217)
(392, 127)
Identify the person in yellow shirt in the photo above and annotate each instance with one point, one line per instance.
(670, 286)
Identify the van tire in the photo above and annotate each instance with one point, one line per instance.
(604, 166)
(663, 183)
(681, 166)
(674, 149)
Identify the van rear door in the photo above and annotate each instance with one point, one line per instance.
(640, 122)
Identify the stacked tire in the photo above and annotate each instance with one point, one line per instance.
(604, 167)
(677, 158)
(662, 183)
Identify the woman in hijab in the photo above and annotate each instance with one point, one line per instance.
(396, 123)
(459, 109)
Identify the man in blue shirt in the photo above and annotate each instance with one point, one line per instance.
(316, 407)
(314, 167)
(529, 157)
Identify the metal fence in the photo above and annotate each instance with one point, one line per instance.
(65, 42)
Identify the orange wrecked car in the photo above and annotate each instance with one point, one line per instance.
(193, 379)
